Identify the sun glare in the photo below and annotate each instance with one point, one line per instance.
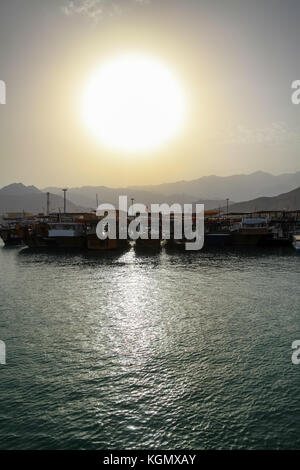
(134, 103)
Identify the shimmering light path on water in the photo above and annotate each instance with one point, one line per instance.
(165, 351)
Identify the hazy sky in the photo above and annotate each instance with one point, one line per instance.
(236, 60)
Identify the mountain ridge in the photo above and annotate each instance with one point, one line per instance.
(17, 197)
(289, 201)
(239, 187)
(236, 187)
(210, 190)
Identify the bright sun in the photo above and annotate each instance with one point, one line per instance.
(134, 103)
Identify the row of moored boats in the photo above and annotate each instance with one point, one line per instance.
(79, 231)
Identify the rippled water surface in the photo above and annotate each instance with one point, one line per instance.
(134, 351)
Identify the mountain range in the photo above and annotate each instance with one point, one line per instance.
(258, 191)
(238, 187)
(89, 195)
(17, 197)
(286, 201)
(209, 190)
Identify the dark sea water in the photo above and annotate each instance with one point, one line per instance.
(162, 351)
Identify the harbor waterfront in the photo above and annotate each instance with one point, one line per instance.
(129, 350)
(113, 229)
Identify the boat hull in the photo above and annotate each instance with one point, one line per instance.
(296, 243)
(244, 237)
(217, 239)
(150, 244)
(94, 243)
(65, 242)
(11, 237)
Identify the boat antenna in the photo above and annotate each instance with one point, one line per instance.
(65, 199)
(48, 204)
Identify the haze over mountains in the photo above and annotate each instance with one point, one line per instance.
(210, 190)
(287, 201)
(235, 187)
(213, 190)
(259, 190)
(17, 197)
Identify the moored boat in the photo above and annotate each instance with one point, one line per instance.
(55, 235)
(11, 235)
(93, 242)
(217, 239)
(296, 242)
(149, 244)
(66, 235)
(250, 232)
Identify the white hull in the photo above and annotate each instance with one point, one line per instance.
(296, 242)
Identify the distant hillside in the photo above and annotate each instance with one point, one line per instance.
(235, 187)
(87, 195)
(259, 191)
(17, 198)
(285, 201)
(211, 190)
(16, 189)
